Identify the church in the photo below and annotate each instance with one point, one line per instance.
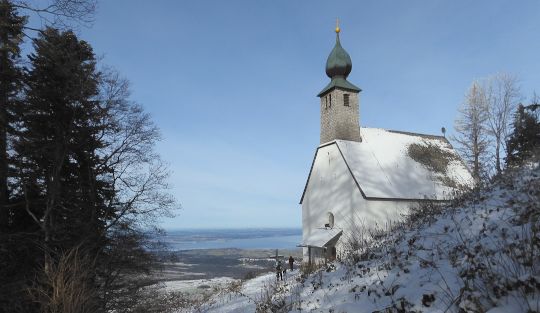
(363, 177)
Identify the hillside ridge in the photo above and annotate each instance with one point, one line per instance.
(479, 254)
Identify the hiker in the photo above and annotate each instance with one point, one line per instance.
(291, 262)
(279, 271)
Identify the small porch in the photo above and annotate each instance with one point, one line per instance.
(321, 244)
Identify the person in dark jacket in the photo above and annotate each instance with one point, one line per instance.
(279, 271)
(291, 262)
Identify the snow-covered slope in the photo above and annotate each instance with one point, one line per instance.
(482, 254)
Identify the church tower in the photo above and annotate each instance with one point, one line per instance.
(339, 99)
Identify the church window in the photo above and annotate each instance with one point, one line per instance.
(330, 220)
(330, 100)
(346, 99)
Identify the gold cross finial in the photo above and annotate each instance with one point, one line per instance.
(337, 26)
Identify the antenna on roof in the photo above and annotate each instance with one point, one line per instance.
(443, 130)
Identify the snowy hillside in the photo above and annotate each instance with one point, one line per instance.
(482, 254)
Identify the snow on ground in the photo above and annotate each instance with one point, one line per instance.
(480, 255)
(252, 292)
(195, 285)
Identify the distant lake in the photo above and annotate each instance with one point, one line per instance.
(266, 238)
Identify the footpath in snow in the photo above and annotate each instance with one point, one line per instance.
(252, 294)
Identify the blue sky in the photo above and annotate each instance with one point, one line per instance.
(233, 84)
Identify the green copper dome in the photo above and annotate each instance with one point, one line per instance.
(339, 62)
(338, 68)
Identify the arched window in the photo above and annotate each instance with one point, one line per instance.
(330, 220)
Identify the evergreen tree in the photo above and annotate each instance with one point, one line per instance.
(14, 257)
(11, 34)
(57, 153)
(89, 177)
(524, 142)
(60, 137)
(85, 182)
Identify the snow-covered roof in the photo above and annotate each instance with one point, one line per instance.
(404, 166)
(320, 237)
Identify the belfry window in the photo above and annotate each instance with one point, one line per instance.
(346, 99)
(330, 100)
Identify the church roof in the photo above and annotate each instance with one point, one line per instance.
(393, 165)
(321, 237)
(338, 82)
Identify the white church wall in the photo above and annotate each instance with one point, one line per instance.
(372, 214)
(331, 189)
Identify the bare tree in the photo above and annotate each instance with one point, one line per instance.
(472, 135)
(58, 13)
(502, 94)
(139, 181)
(138, 174)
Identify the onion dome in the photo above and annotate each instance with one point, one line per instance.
(339, 62)
(338, 68)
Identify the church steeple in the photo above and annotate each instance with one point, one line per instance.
(338, 68)
(339, 99)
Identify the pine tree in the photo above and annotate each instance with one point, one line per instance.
(87, 181)
(63, 189)
(11, 34)
(524, 142)
(14, 255)
(61, 136)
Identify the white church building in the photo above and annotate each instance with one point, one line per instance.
(367, 177)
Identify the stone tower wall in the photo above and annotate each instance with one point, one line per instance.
(337, 120)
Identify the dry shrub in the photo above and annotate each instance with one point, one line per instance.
(234, 286)
(431, 156)
(306, 268)
(66, 286)
(271, 298)
(356, 244)
(424, 213)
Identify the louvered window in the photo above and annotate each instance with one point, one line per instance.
(346, 99)
(330, 100)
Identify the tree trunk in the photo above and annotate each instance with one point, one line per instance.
(476, 160)
(498, 157)
(4, 196)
